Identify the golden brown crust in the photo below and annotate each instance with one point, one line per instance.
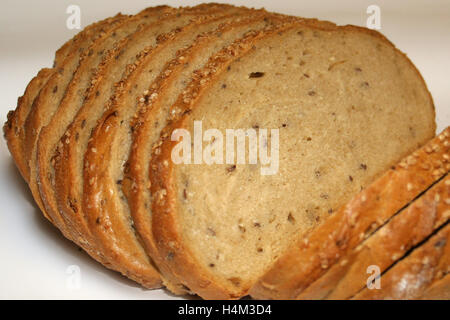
(420, 274)
(13, 128)
(384, 247)
(439, 289)
(302, 265)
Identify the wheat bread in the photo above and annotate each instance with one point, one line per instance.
(420, 274)
(74, 96)
(311, 257)
(108, 213)
(323, 74)
(384, 247)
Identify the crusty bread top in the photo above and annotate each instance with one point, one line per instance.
(385, 246)
(421, 274)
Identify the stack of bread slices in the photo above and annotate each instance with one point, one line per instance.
(357, 182)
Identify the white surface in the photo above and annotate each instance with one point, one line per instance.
(34, 257)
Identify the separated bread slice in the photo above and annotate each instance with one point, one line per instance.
(14, 127)
(153, 113)
(73, 99)
(117, 239)
(384, 247)
(328, 245)
(43, 107)
(219, 228)
(421, 274)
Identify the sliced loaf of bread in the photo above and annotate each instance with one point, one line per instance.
(219, 228)
(385, 246)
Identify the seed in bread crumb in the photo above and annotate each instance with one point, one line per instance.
(260, 250)
(256, 75)
(350, 178)
(212, 265)
(291, 218)
(409, 186)
(311, 93)
(363, 166)
(231, 168)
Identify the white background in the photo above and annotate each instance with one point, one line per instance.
(34, 257)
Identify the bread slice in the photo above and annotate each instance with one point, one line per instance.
(220, 228)
(387, 245)
(313, 256)
(14, 127)
(420, 274)
(73, 99)
(108, 216)
(152, 114)
(43, 107)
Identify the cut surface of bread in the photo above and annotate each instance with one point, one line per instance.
(420, 274)
(385, 246)
(220, 227)
(110, 206)
(329, 244)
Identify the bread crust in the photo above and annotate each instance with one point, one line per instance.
(13, 128)
(302, 265)
(384, 247)
(419, 275)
